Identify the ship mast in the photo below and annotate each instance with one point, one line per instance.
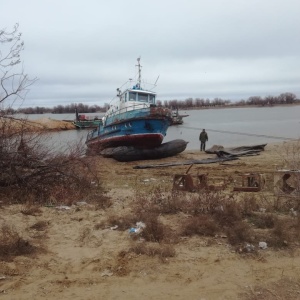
(140, 72)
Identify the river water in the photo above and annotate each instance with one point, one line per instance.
(227, 126)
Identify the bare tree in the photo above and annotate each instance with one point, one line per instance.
(14, 83)
(31, 172)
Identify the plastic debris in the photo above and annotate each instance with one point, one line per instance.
(262, 245)
(293, 212)
(106, 273)
(262, 210)
(249, 248)
(138, 229)
(114, 227)
(63, 207)
(81, 203)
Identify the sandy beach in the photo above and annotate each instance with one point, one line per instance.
(39, 125)
(82, 255)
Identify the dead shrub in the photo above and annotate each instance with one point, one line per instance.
(11, 244)
(284, 288)
(205, 202)
(240, 232)
(146, 202)
(264, 221)
(139, 249)
(31, 210)
(32, 170)
(228, 213)
(173, 203)
(40, 225)
(297, 226)
(291, 155)
(167, 251)
(123, 222)
(33, 173)
(154, 230)
(281, 235)
(200, 225)
(249, 205)
(161, 250)
(159, 202)
(100, 199)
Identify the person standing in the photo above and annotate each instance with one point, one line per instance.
(203, 138)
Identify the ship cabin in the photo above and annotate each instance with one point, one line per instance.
(137, 95)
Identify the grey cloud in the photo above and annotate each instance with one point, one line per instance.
(229, 49)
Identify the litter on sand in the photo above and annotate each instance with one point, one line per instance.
(140, 226)
(262, 245)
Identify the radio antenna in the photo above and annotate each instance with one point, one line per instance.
(140, 72)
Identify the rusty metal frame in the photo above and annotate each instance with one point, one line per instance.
(287, 183)
(251, 182)
(185, 182)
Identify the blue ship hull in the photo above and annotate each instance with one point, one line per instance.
(144, 132)
(134, 120)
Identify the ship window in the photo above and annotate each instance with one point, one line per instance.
(125, 97)
(132, 96)
(143, 97)
(151, 99)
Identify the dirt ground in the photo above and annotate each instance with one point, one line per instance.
(80, 260)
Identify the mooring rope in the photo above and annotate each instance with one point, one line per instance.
(243, 133)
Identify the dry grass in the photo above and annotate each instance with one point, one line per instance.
(285, 288)
(159, 201)
(11, 244)
(229, 213)
(99, 198)
(263, 220)
(31, 210)
(205, 202)
(155, 231)
(160, 250)
(281, 235)
(40, 225)
(249, 205)
(240, 232)
(212, 213)
(123, 222)
(203, 225)
(32, 172)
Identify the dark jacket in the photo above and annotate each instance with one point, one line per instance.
(203, 137)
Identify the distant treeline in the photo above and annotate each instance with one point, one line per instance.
(190, 103)
(59, 109)
(285, 98)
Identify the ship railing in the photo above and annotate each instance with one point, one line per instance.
(91, 134)
(135, 110)
(135, 106)
(129, 112)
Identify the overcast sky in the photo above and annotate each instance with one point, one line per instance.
(81, 51)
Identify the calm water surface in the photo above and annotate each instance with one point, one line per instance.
(281, 122)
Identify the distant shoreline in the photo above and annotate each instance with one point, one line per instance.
(181, 109)
(239, 106)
